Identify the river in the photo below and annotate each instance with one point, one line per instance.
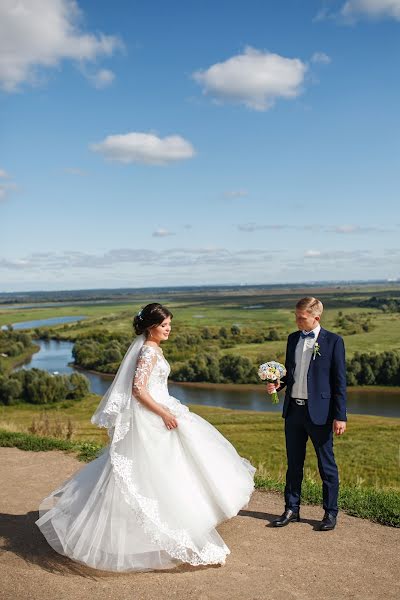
(55, 356)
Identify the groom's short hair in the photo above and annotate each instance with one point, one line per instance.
(311, 305)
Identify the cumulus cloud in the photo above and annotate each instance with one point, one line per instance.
(41, 34)
(321, 57)
(373, 9)
(161, 232)
(138, 257)
(130, 267)
(145, 148)
(255, 78)
(354, 10)
(101, 79)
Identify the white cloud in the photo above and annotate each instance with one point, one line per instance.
(142, 267)
(349, 229)
(312, 253)
(175, 257)
(145, 148)
(251, 227)
(354, 10)
(373, 9)
(321, 57)
(236, 194)
(101, 79)
(3, 174)
(161, 232)
(40, 34)
(255, 78)
(337, 255)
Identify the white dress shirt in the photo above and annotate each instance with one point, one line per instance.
(303, 355)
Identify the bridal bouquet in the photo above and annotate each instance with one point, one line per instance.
(272, 372)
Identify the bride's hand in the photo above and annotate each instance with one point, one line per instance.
(169, 420)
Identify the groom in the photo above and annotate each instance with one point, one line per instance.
(315, 407)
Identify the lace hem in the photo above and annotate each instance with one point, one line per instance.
(178, 544)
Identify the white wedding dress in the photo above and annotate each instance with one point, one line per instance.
(154, 496)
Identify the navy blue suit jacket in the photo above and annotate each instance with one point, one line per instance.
(326, 378)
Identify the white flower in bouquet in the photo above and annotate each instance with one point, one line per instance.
(272, 372)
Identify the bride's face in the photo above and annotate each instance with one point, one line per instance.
(161, 332)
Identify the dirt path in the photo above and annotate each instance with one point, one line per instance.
(359, 560)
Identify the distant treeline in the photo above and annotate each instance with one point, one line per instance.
(40, 387)
(374, 369)
(198, 357)
(387, 304)
(102, 351)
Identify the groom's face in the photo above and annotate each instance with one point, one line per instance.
(306, 321)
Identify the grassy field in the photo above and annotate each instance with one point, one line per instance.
(368, 454)
(196, 310)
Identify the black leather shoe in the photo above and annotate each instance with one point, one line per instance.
(288, 516)
(328, 522)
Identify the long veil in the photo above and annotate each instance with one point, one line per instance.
(118, 395)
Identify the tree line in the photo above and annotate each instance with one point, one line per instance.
(384, 303)
(374, 369)
(40, 387)
(13, 343)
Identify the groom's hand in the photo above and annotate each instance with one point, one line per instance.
(339, 427)
(271, 388)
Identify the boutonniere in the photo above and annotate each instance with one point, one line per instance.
(316, 350)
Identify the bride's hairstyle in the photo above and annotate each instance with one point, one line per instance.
(150, 316)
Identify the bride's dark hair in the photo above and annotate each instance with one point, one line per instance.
(150, 316)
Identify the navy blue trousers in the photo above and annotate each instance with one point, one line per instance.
(298, 428)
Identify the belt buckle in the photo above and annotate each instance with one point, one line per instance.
(300, 401)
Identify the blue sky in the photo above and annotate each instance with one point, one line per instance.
(173, 143)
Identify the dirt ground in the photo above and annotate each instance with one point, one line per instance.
(359, 560)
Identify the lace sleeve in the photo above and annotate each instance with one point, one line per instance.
(146, 361)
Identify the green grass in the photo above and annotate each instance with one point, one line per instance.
(224, 308)
(382, 506)
(368, 453)
(86, 451)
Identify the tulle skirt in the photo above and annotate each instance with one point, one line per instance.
(153, 497)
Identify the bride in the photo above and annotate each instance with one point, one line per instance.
(154, 496)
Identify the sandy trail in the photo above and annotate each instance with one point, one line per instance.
(359, 560)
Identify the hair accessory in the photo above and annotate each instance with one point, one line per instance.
(139, 315)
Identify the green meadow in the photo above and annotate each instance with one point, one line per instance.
(253, 310)
(367, 455)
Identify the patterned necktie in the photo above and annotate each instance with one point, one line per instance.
(311, 335)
